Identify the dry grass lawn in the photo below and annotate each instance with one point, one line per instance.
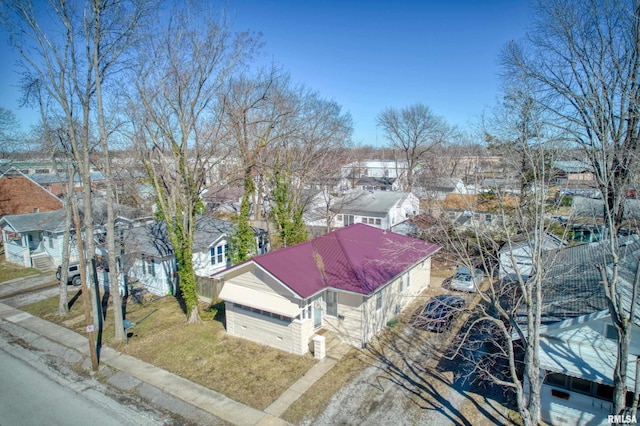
(10, 272)
(247, 372)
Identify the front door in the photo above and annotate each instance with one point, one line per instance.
(317, 313)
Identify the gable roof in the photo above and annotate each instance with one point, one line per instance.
(53, 221)
(369, 202)
(358, 259)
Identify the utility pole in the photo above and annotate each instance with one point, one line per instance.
(88, 314)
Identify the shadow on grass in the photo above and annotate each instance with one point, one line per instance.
(414, 362)
(74, 299)
(216, 311)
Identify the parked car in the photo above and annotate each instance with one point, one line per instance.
(73, 273)
(439, 313)
(467, 279)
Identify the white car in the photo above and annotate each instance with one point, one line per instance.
(467, 280)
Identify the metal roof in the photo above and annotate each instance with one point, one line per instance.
(358, 259)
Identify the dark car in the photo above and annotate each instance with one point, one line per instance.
(439, 313)
(73, 275)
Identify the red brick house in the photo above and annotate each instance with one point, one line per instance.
(19, 195)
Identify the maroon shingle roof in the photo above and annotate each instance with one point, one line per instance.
(358, 258)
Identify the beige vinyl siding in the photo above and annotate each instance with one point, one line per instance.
(265, 330)
(257, 280)
(348, 325)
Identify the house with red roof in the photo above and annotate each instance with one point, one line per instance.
(351, 281)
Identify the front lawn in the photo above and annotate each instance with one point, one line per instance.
(10, 272)
(249, 373)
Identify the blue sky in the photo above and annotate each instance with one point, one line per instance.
(369, 55)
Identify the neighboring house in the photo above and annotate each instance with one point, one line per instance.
(517, 255)
(419, 226)
(377, 184)
(351, 281)
(58, 183)
(578, 346)
(211, 241)
(471, 210)
(564, 171)
(223, 199)
(592, 210)
(439, 188)
(19, 194)
(147, 257)
(375, 168)
(382, 209)
(35, 239)
(150, 259)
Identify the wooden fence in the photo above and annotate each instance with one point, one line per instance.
(208, 288)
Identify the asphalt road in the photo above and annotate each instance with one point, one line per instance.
(33, 392)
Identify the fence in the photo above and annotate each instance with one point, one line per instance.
(208, 288)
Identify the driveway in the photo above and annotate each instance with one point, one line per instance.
(410, 382)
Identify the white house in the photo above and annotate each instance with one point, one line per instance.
(381, 209)
(35, 239)
(577, 339)
(149, 257)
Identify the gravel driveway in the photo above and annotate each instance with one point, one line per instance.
(410, 383)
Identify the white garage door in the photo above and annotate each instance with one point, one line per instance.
(262, 329)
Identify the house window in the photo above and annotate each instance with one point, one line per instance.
(348, 219)
(556, 379)
(378, 300)
(487, 218)
(50, 240)
(148, 267)
(580, 385)
(401, 284)
(332, 303)
(610, 332)
(378, 221)
(408, 279)
(218, 254)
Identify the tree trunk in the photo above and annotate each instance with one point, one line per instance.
(114, 290)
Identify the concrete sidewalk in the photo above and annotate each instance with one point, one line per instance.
(133, 371)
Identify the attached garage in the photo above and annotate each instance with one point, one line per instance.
(261, 327)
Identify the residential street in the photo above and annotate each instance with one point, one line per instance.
(35, 392)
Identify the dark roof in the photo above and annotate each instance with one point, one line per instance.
(153, 239)
(572, 283)
(209, 230)
(375, 181)
(358, 258)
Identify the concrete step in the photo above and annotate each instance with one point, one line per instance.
(42, 263)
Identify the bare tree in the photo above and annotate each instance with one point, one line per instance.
(511, 315)
(9, 129)
(178, 120)
(256, 108)
(582, 60)
(414, 131)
